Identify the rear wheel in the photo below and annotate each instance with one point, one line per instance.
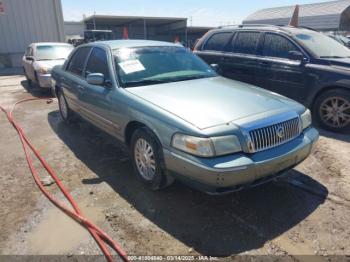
(147, 158)
(67, 115)
(332, 110)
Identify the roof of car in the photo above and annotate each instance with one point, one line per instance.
(49, 43)
(262, 27)
(115, 44)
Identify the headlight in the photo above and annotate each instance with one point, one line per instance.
(206, 147)
(44, 70)
(306, 119)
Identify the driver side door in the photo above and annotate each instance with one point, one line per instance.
(97, 103)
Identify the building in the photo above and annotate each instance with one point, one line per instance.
(73, 29)
(168, 29)
(24, 22)
(28, 21)
(326, 16)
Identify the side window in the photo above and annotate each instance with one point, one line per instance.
(277, 46)
(29, 51)
(246, 42)
(98, 63)
(76, 63)
(217, 42)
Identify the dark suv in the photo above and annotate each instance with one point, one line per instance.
(299, 63)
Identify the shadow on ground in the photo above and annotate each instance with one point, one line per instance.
(345, 136)
(36, 91)
(221, 225)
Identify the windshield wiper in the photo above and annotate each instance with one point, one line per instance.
(178, 79)
(144, 82)
(333, 56)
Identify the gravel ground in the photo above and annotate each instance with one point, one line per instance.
(305, 213)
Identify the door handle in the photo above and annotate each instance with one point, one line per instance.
(264, 63)
(80, 88)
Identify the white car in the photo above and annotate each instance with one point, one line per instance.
(40, 58)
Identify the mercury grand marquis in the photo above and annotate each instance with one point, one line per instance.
(181, 120)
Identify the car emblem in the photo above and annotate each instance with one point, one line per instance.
(280, 131)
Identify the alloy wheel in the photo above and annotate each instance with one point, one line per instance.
(335, 112)
(145, 159)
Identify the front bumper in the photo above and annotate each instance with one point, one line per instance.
(44, 80)
(230, 173)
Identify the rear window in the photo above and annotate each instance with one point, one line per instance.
(217, 42)
(246, 42)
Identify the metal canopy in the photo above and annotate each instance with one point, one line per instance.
(326, 15)
(109, 20)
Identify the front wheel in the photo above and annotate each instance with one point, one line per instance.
(147, 159)
(29, 82)
(332, 110)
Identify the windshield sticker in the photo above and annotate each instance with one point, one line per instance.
(131, 66)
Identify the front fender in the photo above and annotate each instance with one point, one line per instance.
(342, 83)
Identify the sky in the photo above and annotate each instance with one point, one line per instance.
(199, 12)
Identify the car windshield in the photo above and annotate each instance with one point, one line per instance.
(53, 52)
(155, 65)
(322, 46)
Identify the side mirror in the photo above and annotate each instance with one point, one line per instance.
(95, 79)
(296, 55)
(216, 68)
(29, 58)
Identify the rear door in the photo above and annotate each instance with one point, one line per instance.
(276, 71)
(240, 62)
(96, 105)
(73, 80)
(214, 48)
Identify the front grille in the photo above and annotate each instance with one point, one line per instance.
(274, 135)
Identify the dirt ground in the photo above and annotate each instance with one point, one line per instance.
(305, 213)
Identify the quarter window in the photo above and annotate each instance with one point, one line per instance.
(76, 63)
(98, 63)
(246, 42)
(277, 46)
(218, 41)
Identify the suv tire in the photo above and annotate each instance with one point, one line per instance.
(332, 110)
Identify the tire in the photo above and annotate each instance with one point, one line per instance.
(155, 178)
(332, 110)
(67, 115)
(29, 82)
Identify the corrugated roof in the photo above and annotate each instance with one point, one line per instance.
(318, 9)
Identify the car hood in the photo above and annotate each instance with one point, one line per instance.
(49, 63)
(213, 101)
(345, 62)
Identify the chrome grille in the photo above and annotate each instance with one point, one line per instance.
(274, 135)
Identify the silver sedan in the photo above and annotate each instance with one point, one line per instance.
(40, 58)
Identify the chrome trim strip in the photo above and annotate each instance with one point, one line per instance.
(106, 121)
(266, 137)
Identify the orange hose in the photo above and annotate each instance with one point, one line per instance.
(100, 236)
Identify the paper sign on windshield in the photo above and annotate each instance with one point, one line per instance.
(131, 66)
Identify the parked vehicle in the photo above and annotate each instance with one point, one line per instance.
(341, 39)
(40, 58)
(299, 63)
(179, 118)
